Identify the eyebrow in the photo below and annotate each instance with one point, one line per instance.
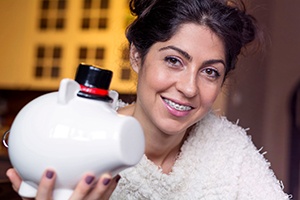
(183, 53)
(214, 61)
(189, 57)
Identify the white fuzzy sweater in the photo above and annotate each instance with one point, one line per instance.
(218, 161)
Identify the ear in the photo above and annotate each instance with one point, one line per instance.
(135, 59)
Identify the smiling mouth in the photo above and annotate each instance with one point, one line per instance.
(177, 106)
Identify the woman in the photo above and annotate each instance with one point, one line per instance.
(182, 52)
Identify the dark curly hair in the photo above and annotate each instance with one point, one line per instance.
(158, 21)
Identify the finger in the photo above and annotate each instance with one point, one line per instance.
(101, 187)
(83, 187)
(112, 186)
(14, 178)
(46, 186)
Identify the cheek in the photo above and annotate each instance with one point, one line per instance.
(156, 79)
(209, 95)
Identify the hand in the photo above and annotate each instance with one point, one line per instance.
(45, 187)
(86, 189)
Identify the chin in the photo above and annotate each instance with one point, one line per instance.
(174, 130)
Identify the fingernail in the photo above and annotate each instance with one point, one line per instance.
(89, 179)
(49, 174)
(106, 181)
(118, 177)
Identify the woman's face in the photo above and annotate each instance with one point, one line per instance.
(180, 79)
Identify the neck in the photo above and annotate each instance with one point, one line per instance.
(162, 149)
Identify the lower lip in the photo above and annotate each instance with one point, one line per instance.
(175, 112)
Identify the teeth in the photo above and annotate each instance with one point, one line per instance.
(177, 106)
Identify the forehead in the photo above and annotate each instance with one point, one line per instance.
(196, 40)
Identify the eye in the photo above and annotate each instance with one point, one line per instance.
(211, 73)
(172, 61)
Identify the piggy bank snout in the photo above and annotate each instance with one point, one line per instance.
(132, 141)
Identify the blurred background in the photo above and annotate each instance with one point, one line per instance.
(43, 41)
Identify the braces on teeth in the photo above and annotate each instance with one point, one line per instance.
(177, 106)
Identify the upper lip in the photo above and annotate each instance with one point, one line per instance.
(179, 102)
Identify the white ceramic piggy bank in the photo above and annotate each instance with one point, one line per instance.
(73, 131)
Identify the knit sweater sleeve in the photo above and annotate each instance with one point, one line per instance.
(257, 180)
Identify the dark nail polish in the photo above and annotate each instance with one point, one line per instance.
(106, 181)
(89, 179)
(118, 177)
(49, 174)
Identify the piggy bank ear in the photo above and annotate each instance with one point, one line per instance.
(68, 90)
(115, 96)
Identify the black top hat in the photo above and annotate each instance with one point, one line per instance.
(94, 82)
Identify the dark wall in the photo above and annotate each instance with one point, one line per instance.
(263, 83)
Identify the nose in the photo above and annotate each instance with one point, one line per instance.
(187, 85)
